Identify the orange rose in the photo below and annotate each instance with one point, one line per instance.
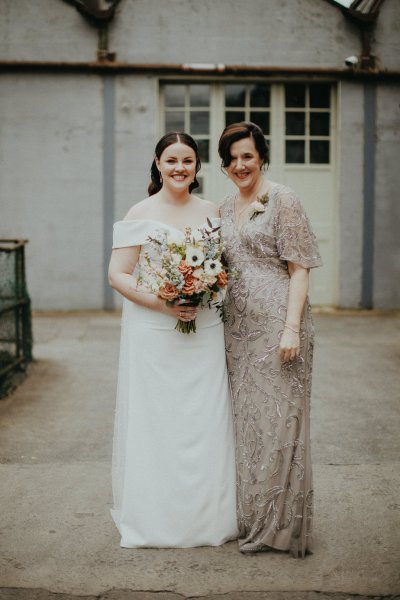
(222, 279)
(168, 292)
(199, 286)
(184, 268)
(189, 288)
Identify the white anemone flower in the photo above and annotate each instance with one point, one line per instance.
(212, 267)
(194, 256)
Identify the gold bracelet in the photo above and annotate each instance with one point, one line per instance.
(292, 328)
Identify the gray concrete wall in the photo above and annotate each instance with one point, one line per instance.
(276, 32)
(51, 138)
(51, 184)
(386, 43)
(351, 139)
(273, 33)
(136, 133)
(387, 206)
(148, 31)
(386, 267)
(45, 30)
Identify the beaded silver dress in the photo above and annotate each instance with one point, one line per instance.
(271, 399)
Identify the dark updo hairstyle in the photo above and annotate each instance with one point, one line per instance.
(238, 131)
(168, 139)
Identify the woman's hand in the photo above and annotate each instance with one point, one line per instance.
(289, 347)
(184, 311)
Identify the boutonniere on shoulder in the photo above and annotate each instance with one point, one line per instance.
(258, 206)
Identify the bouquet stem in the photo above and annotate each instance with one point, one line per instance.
(186, 326)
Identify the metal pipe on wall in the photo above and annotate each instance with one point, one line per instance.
(220, 70)
(367, 281)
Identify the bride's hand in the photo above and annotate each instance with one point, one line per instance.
(289, 347)
(183, 312)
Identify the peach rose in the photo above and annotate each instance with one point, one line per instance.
(208, 279)
(168, 292)
(189, 288)
(199, 286)
(222, 279)
(184, 268)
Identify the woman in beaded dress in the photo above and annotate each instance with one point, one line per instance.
(269, 333)
(173, 451)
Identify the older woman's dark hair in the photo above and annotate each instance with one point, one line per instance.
(238, 131)
(168, 139)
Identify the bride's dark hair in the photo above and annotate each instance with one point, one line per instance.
(168, 139)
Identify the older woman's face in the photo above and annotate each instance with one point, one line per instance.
(244, 168)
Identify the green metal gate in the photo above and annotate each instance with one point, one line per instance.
(15, 315)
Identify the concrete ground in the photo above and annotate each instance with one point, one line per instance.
(56, 535)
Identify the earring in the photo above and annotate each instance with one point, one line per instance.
(159, 172)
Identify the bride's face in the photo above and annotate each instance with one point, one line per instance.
(177, 165)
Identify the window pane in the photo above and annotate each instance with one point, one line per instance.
(174, 95)
(261, 119)
(199, 122)
(235, 95)
(320, 94)
(233, 117)
(204, 153)
(259, 95)
(174, 121)
(200, 95)
(295, 95)
(319, 123)
(319, 152)
(295, 151)
(295, 123)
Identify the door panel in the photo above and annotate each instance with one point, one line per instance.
(299, 121)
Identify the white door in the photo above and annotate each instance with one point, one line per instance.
(299, 122)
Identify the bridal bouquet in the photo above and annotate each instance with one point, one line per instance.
(189, 270)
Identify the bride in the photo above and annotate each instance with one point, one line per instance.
(173, 453)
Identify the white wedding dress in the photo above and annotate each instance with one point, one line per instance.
(173, 455)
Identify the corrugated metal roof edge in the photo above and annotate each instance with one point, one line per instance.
(362, 11)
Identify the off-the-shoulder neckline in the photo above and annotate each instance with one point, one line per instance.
(198, 227)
